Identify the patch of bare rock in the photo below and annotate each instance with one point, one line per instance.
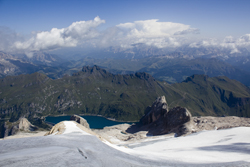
(57, 129)
(217, 123)
(22, 125)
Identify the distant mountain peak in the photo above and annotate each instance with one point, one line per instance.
(143, 75)
(96, 69)
(196, 77)
(93, 69)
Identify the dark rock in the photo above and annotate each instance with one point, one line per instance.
(91, 69)
(177, 116)
(80, 120)
(178, 120)
(158, 109)
(143, 75)
(158, 120)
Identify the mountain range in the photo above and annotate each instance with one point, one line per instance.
(166, 65)
(94, 90)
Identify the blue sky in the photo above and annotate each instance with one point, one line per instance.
(213, 18)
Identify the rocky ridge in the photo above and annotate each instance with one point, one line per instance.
(22, 125)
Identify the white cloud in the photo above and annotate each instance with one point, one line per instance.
(151, 29)
(65, 37)
(124, 35)
(228, 43)
(152, 32)
(7, 38)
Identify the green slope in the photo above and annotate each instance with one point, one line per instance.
(215, 96)
(91, 91)
(123, 97)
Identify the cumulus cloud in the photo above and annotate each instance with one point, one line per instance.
(124, 35)
(65, 37)
(228, 43)
(152, 32)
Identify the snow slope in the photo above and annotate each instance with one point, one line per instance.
(216, 146)
(78, 148)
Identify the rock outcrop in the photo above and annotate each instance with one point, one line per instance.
(79, 120)
(11, 128)
(157, 110)
(57, 129)
(159, 120)
(179, 121)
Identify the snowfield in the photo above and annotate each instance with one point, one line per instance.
(205, 147)
(76, 147)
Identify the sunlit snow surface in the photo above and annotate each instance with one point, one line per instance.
(74, 147)
(205, 147)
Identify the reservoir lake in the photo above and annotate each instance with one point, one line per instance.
(95, 122)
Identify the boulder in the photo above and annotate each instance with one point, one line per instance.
(79, 120)
(177, 116)
(179, 121)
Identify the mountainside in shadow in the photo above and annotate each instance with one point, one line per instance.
(123, 97)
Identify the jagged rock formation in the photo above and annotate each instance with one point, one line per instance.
(80, 120)
(11, 128)
(159, 120)
(153, 113)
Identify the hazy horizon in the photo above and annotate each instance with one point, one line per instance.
(30, 26)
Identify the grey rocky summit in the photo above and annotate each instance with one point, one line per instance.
(80, 120)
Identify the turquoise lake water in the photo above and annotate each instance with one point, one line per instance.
(95, 122)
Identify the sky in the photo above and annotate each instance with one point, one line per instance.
(41, 25)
